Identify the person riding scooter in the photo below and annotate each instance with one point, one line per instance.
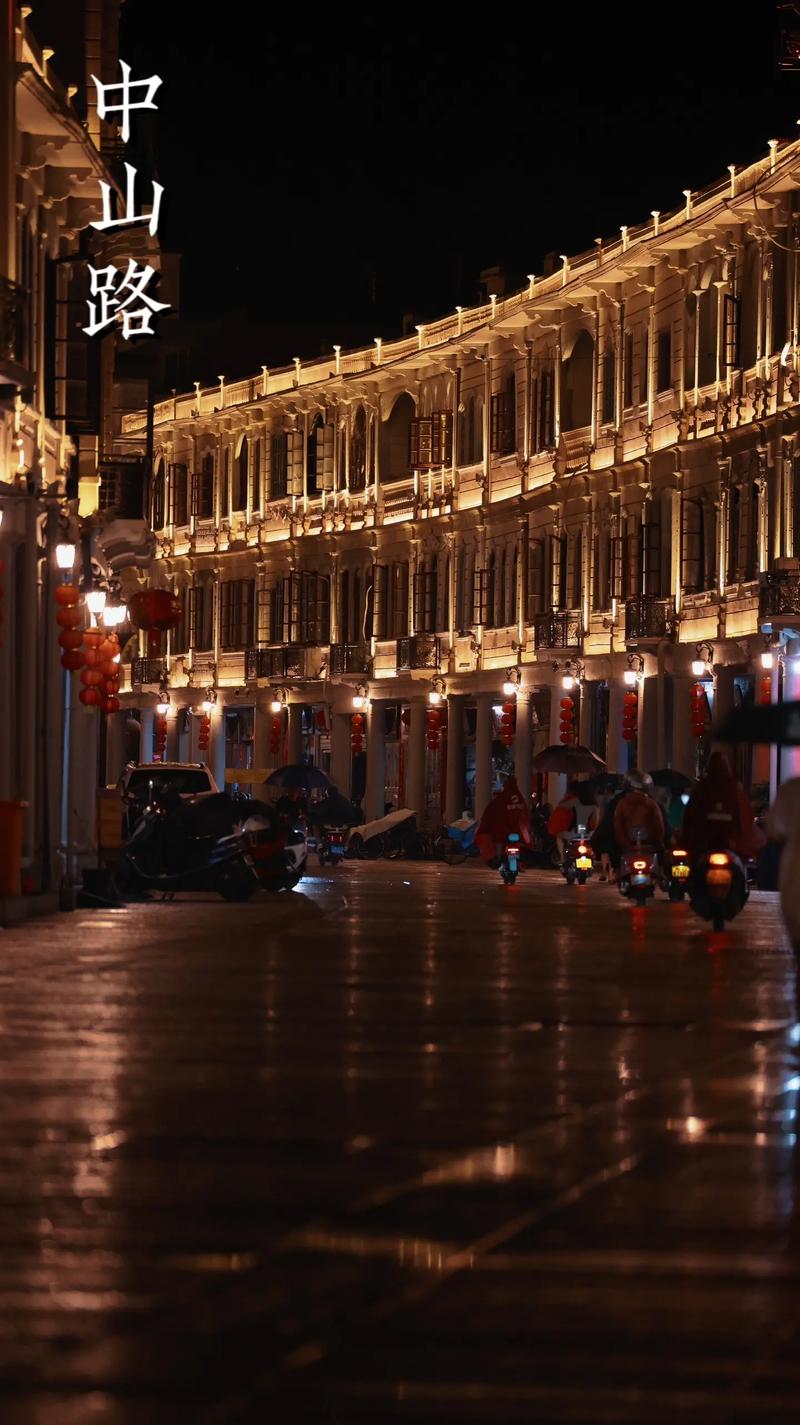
(719, 816)
(637, 816)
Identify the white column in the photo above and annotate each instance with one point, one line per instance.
(82, 809)
(115, 747)
(523, 744)
(415, 767)
(146, 717)
(374, 798)
(216, 746)
(556, 784)
(295, 733)
(483, 752)
(648, 724)
(684, 745)
(454, 776)
(617, 749)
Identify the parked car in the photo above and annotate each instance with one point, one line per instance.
(187, 779)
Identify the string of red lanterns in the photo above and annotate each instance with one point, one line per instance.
(630, 715)
(567, 720)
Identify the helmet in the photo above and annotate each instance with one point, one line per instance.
(636, 781)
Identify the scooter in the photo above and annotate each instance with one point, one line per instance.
(331, 845)
(278, 850)
(578, 862)
(676, 873)
(638, 873)
(162, 854)
(509, 861)
(718, 887)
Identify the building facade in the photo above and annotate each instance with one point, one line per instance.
(62, 398)
(586, 493)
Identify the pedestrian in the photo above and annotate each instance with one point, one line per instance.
(604, 841)
(783, 828)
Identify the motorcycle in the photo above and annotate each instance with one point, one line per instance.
(718, 887)
(509, 861)
(638, 873)
(164, 853)
(677, 872)
(331, 845)
(578, 862)
(543, 845)
(278, 850)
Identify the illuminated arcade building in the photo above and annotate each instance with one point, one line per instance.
(593, 479)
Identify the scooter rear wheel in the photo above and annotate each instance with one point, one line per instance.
(235, 886)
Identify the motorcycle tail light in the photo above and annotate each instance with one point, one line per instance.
(640, 865)
(718, 858)
(583, 850)
(679, 853)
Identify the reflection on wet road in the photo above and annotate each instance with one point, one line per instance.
(409, 1146)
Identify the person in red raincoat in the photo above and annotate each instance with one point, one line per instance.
(507, 812)
(719, 815)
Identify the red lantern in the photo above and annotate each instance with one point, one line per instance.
(91, 678)
(89, 697)
(111, 704)
(275, 734)
(71, 638)
(154, 610)
(68, 617)
(766, 689)
(72, 661)
(67, 594)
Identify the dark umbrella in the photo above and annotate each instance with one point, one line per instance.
(775, 723)
(604, 782)
(677, 782)
(566, 760)
(299, 779)
(333, 810)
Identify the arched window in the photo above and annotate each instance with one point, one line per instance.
(694, 553)
(312, 456)
(444, 602)
(511, 588)
(633, 557)
(358, 451)
(256, 463)
(357, 623)
(225, 487)
(491, 589)
(609, 383)
(576, 384)
(395, 440)
(537, 581)
(750, 281)
(240, 483)
(652, 550)
(466, 454)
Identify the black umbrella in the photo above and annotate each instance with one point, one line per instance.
(773, 723)
(333, 810)
(299, 778)
(565, 760)
(677, 782)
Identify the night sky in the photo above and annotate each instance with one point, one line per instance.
(328, 174)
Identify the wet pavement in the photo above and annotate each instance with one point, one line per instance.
(403, 1146)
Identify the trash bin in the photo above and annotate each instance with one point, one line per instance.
(11, 847)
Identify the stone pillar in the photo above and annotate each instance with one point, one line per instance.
(216, 746)
(523, 744)
(648, 724)
(790, 756)
(483, 752)
(415, 766)
(556, 784)
(375, 796)
(684, 745)
(455, 790)
(82, 798)
(262, 736)
(617, 749)
(115, 747)
(295, 713)
(341, 755)
(146, 735)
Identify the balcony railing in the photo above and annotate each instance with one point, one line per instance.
(421, 650)
(147, 670)
(13, 321)
(285, 661)
(649, 617)
(349, 658)
(558, 631)
(779, 594)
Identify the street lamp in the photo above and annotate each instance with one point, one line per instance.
(162, 708)
(65, 556)
(768, 660)
(704, 657)
(278, 701)
(114, 615)
(511, 684)
(634, 671)
(95, 602)
(437, 692)
(360, 697)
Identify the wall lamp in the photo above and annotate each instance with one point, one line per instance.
(572, 674)
(512, 681)
(635, 670)
(278, 700)
(703, 660)
(360, 697)
(437, 691)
